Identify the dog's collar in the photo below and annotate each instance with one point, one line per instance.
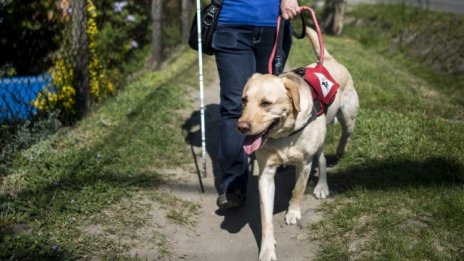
(311, 118)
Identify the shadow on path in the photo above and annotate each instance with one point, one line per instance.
(193, 138)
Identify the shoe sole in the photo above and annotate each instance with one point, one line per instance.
(233, 201)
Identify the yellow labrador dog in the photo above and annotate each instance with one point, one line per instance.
(279, 122)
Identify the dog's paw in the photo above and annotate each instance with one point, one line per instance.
(321, 191)
(267, 252)
(292, 216)
(267, 255)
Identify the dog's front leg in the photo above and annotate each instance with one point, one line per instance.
(294, 209)
(266, 196)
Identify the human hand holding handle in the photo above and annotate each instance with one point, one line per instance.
(289, 9)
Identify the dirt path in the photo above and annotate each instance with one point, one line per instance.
(233, 234)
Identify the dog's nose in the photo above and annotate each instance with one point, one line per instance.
(243, 127)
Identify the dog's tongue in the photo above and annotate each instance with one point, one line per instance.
(252, 143)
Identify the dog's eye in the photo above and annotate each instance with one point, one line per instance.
(265, 103)
(244, 100)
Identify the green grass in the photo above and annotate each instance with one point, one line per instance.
(427, 43)
(59, 184)
(398, 192)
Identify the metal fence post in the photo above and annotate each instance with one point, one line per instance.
(80, 45)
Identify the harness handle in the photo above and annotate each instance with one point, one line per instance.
(278, 32)
(318, 30)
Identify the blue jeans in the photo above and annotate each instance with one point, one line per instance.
(240, 51)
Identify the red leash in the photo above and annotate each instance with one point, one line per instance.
(271, 58)
(278, 31)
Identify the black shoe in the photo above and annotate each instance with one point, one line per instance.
(231, 200)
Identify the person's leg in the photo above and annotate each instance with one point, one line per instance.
(240, 52)
(236, 63)
(265, 43)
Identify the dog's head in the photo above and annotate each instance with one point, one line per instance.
(270, 105)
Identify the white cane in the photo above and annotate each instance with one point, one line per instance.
(202, 103)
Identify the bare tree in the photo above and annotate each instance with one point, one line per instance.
(332, 16)
(186, 18)
(157, 41)
(80, 45)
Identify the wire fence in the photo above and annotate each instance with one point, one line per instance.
(17, 95)
(44, 50)
(63, 55)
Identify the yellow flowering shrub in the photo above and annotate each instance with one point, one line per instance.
(62, 93)
(100, 85)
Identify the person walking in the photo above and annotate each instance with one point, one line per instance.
(243, 43)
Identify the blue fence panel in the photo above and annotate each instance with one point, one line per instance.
(17, 95)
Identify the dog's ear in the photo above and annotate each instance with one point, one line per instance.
(291, 85)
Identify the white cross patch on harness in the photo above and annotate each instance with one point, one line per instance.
(326, 85)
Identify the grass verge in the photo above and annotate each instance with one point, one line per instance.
(398, 193)
(58, 184)
(427, 43)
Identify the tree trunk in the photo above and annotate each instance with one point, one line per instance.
(186, 19)
(80, 47)
(157, 43)
(332, 16)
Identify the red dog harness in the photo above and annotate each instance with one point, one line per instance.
(323, 86)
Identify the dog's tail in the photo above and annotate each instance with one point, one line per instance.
(314, 39)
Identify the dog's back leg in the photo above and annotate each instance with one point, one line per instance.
(347, 115)
(322, 188)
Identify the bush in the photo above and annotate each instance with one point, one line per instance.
(123, 29)
(29, 32)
